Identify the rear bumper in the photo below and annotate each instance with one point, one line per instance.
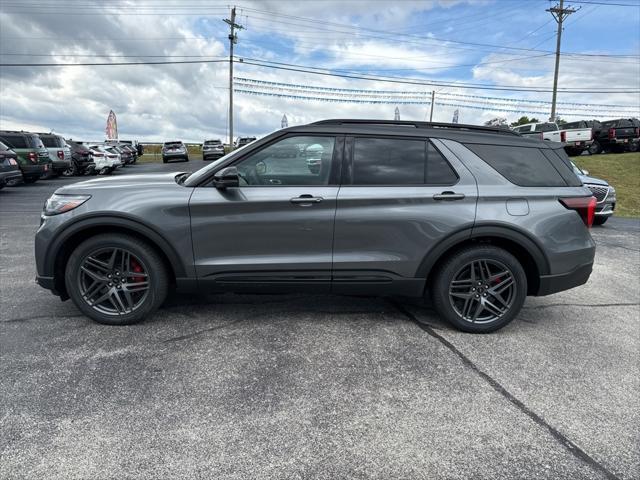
(33, 169)
(9, 176)
(564, 281)
(60, 164)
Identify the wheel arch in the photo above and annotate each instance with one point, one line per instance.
(519, 244)
(64, 244)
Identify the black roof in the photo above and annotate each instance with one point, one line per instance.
(416, 124)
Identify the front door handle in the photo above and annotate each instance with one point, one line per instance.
(448, 196)
(306, 200)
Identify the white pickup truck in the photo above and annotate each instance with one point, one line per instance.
(576, 140)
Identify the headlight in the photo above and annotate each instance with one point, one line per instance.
(63, 203)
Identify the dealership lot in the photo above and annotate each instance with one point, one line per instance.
(302, 386)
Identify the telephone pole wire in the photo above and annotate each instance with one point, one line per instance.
(233, 39)
(559, 13)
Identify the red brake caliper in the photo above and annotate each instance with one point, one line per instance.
(136, 267)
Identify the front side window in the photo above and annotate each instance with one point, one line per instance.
(303, 160)
(384, 161)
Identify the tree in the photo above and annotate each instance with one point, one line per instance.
(524, 120)
(496, 122)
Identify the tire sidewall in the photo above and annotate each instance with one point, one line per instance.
(156, 271)
(440, 290)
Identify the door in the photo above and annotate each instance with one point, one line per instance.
(399, 198)
(275, 230)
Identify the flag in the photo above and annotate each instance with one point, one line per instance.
(285, 122)
(455, 116)
(112, 126)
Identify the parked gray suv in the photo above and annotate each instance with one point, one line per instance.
(475, 217)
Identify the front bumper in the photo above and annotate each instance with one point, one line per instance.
(606, 209)
(557, 283)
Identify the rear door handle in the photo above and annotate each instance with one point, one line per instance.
(306, 200)
(448, 196)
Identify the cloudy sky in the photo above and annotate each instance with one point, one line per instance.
(483, 58)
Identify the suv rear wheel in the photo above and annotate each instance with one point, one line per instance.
(116, 279)
(480, 289)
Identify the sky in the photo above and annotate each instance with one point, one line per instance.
(308, 60)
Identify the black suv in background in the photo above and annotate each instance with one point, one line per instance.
(33, 157)
(81, 162)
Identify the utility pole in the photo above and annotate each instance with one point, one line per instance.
(233, 39)
(433, 100)
(559, 13)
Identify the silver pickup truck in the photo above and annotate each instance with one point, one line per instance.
(576, 140)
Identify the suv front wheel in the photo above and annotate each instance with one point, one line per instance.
(116, 279)
(480, 289)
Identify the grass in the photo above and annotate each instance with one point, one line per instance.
(622, 170)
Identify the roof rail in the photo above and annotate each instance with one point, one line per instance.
(409, 123)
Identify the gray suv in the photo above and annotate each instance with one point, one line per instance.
(477, 218)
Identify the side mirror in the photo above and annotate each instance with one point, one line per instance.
(227, 177)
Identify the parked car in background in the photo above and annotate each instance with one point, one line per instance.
(605, 194)
(126, 151)
(59, 152)
(106, 161)
(398, 212)
(242, 141)
(595, 127)
(126, 157)
(575, 140)
(174, 151)
(618, 135)
(81, 161)
(212, 149)
(33, 157)
(133, 151)
(9, 171)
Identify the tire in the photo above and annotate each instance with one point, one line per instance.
(31, 179)
(502, 266)
(595, 148)
(72, 171)
(164, 160)
(600, 220)
(186, 159)
(116, 308)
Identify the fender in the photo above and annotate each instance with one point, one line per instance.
(497, 230)
(113, 220)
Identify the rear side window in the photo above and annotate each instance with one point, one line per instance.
(15, 141)
(562, 163)
(386, 161)
(523, 166)
(50, 142)
(35, 141)
(546, 127)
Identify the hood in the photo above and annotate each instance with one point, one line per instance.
(124, 182)
(592, 180)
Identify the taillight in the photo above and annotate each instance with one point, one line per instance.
(585, 206)
(98, 154)
(32, 157)
(60, 154)
(563, 136)
(591, 138)
(637, 130)
(542, 136)
(612, 133)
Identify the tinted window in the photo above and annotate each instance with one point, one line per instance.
(378, 161)
(35, 141)
(291, 161)
(212, 142)
(15, 141)
(49, 142)
(562, 163)
(524, 166)
(383, 161)
(570, 125)
(546, 127)
(439, 172)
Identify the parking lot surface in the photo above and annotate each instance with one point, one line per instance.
(304, 386)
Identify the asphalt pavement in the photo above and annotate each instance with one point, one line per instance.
(317, 386)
